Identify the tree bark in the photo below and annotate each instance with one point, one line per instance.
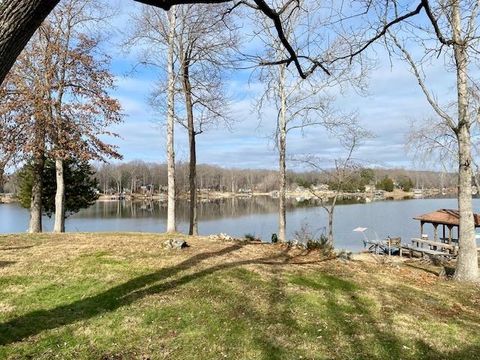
(475, 179)
(331, 212)
(467, 262)
(37, 189)
(2, 177)
(171, 223)
(282, 148)
(59, 226)
(19, 19)
(330, 227)
(192, 176)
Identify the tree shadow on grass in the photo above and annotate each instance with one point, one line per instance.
(348, 315)
(470, 352)
(16, 247)
(286, 334)
(6, 263)
(354, 328)
(37, 321)
(352, 316)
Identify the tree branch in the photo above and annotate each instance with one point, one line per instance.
(382, 32)
(423, 86)
(434, 23)
(167, 4)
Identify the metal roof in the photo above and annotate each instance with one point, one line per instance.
(445, 216)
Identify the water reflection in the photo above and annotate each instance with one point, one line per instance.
(208, 209)
(239, 216)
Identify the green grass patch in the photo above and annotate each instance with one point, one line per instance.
(125, 297)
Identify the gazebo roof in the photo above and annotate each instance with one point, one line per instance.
(445, 217)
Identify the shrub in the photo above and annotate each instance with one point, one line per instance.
(310, 240)
(250, 237)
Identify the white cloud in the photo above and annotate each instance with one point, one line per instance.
(394, 101)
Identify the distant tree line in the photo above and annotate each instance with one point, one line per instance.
(138, 176)
(142, 177)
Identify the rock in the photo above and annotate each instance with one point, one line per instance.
(175, 244)
(345, 256)
(225, 237)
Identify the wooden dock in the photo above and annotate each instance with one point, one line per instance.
(386, 246)
(422, 247)
(445, 246)
(427, 248)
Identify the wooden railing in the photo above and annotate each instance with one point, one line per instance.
(435, 245)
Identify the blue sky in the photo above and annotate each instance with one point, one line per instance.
(394, 100)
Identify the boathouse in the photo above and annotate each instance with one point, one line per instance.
(447, 219)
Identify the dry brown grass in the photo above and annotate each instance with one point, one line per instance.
(125, 296)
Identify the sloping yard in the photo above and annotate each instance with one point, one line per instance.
(123, 296)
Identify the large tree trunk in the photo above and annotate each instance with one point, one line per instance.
(282, 148)
(171, 223)
(59, 226)
(467, 262)
(192, 176)
(36, 200)
(19, 19)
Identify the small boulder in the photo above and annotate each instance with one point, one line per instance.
(225, 237)
(344, 255)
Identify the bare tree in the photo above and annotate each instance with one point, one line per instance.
(201, 46)
(171, 222)
(154, 34)
(453, 34)
(300, 103)
(204, 45)
(338, 172)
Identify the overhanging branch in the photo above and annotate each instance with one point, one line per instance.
(167, 4)
(293, 57)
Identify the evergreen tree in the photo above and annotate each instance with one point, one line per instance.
(385, 184)
(405, 183)
(80, 186)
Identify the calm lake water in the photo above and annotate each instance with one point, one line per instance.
(239, 216)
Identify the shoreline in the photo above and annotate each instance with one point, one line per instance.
(299, 196)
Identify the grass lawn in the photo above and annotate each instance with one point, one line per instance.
(122, 296)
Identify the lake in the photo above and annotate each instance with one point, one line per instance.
(240, 216)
